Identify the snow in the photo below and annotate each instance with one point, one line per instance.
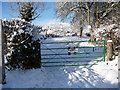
(60, 29)
(108, 70)
(0, 86)
(106, 28)
(65, 77)
(101, 75)
(89, 27)
(109, 41)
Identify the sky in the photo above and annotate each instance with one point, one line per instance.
(48, 16)
(0, 9)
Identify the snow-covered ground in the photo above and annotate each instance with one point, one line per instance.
(0, 86)
(96, 76)
(101, 75)
(60, 29)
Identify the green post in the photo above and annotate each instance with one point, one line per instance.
(40, 54)
(104, 50)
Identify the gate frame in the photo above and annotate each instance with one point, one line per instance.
(104, 52)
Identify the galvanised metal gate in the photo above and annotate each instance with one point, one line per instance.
(72, 53)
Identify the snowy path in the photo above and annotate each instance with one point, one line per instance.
(102, 75)
(63, 77)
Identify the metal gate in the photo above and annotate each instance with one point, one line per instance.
(72, 53)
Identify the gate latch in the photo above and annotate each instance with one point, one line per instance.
(72, 49)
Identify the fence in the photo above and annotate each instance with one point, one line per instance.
(72, 53)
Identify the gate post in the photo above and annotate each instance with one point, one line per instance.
(40, 54)
(109, 50)
(104, 50)
(2, 66)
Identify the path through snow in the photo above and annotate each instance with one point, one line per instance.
(65, 77)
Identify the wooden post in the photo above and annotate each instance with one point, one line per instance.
(81, 31)
(109, 50)
(2, 67)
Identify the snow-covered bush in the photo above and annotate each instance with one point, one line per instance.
(109, 32)
(22, 49)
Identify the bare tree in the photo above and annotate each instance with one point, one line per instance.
(75, 11)
(90, 13)
(103, 11)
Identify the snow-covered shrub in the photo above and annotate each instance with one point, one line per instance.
(25, 55)
(22, 49)
(109, 32)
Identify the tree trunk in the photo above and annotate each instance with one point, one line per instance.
(92, 38)
(88, 16)
(81, 31)
(96, 17)
(97, 24)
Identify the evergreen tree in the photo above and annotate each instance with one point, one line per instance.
(26, 55)
(28, 11)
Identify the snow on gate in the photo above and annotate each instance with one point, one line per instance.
(71, 51)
